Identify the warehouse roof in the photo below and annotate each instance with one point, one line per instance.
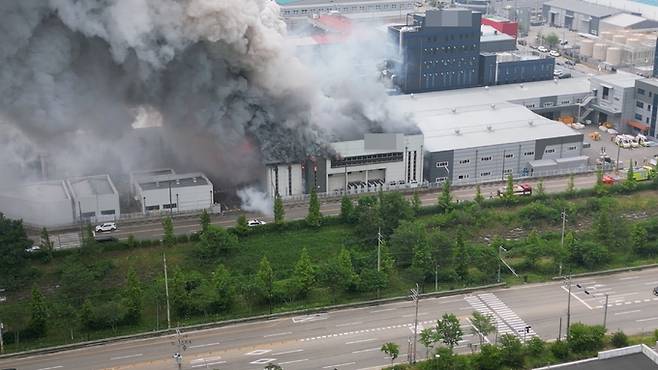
(625, 20)
(91, 186)
(622, 79)
(582, 7)
(173, 180)
(485, 125)
(638, 357)
(40, 191)
(331, 3)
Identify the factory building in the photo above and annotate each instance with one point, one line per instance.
(625, 22)
(577, 16)
(614, 101)
(171, 192)
(646, 103)
(508, 68)
(136, 177)
(481, 6)
(494, 41)
(47, 203)
(95, 198)
(502, 25)
(359, 165)
(296, 12)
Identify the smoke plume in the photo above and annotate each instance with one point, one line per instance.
(216, 76)
(253, 200)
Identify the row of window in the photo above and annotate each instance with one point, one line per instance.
(351, 9)
(450, 49)
(367, 159)
(164, 206)
(106, 212)
(461, 36)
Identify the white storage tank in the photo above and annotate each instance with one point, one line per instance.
(613, 56)
(650, 39)
(599, 50)
(586, 47)
(633, 42)
(606, 35)
(619, 39)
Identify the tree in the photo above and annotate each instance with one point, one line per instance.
(346, 210)
(445, 197)
(483, 325)
(13, 242)
(86, 315)
(391, 349)
(304, 272)
(619, 339)
(639, 240)
(509, 188)
(511, 351)
(88, 239)
(599, 188)
(571, 186)
(535, 346)
(241, 225)
(272, 366)
(265, 280)
(533, 248)
(224, 288)
(448, 330)
(584, 338)
(489, 358)
(168, 239)
(540, 192)
(416, 203)
(46, 245)
(279, 212)
(461, 268)
(205, 221)
(216, 241)
(368, 217)
(551, 39)
(393, 209)
(39, 317)
(408, 238)
(426, 338)
(479, 199)
(314, 217)
(339, 273)
(132, 295)
(630, 183)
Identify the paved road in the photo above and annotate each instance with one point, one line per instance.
(350, 339)
(153, 230)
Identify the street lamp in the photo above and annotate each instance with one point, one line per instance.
(436, 277)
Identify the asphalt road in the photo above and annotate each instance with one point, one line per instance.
(153, 230)
(351, 338)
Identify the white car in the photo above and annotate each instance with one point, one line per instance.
(542, 48)
(554, 53)
(33, 249)
(255, 222)
(558, 72)
(106, 227)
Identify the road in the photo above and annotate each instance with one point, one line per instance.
(153, 230)
(350, 338)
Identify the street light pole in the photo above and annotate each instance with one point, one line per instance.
(164, 261)
(564, 221)
(605, 312)
(415, 295)
(379, 253)
(569, 306)
(2, 343)
(436, 277)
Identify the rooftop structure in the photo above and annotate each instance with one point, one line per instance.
(173, 181)
(47, 203)
(576, 15)
(582, 7)
(625, 21)
(91, 186)
(95, 198)
(172, 192)
(638, 357)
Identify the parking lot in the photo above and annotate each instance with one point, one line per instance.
(639, 155)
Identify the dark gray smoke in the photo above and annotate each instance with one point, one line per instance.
(228, 92)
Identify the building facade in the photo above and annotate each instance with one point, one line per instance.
(174, 192)
(512, 68)
(614, 101)
(576, 15)
(646, 101)
(95, 198)
(47, 204)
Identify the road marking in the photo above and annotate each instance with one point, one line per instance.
(349, 324)
(206, 364)
(578, 298)
(339, 365)
(292, 362)
(412, 315)
(126, 356)
(205, 360)
(649, 319)
(262, 361)
(651, 283)
(361, 341)
(277, 334)
(258, 352)
(49, 368)
(309, 318)
(367, 350)
(204, 345)
(384, 310)
(287, 352)
(626, 312)
(629, 278)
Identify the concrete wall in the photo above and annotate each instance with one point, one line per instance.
(104, 207)
(40, 212)
(519, 71)
(284, 178)
(184, 198)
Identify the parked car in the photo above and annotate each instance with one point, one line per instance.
(106, 227)
(655, 291)
(532, 46)
(33, 249)
(570, 62)
(542, 48)
(558, 72)
(255, 222)
(554, 53)
(564, 75)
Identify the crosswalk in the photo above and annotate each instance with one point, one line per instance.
(506, 320)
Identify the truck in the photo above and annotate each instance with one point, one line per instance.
(517, 190)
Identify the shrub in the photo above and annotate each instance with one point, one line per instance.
(535, 346)
(584, 338)
(560, 349)
(619, 339)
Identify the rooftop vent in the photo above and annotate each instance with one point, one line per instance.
(177, 181)
(489, 128)
(194, 179)
(531, 123)
(493, 106)
(412, 96)
(453, 110)
(486, 87)
(521, 85)
(458, 132)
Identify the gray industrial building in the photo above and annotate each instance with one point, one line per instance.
(576, 15)
(165, 191)
(95, 198)
(614, 100)
(646, 103)
(494, 41)
(297, 12)
(517, 68)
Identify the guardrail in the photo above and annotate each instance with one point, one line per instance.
(610, 271)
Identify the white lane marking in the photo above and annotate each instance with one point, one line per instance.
(204, 345)
(258, 352)
(262, 361)
(126, 356)
(419, 314)
(277, 334)
(49, 368)
(367, 350)
(629, 278)
(651, 283)
(206, 364)
(287, 352)
(361, 341)
(649, 319)
(384, 310)
(626, 312)
(292, 362)
(349, 324)
(339, 365)
(578, 298)
(204, 360)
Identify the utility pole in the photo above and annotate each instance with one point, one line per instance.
(415, 295)
(170, 209)
(605, 314)
(164, 261)
(2, 343)
(564, 221)
(436, 277)
(617, 163)
(379, 253)
(568, 306)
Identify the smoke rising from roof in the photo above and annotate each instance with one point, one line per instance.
(227, 91)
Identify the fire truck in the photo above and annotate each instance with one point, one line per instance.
(517, 190)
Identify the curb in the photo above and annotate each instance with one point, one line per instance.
(607, 272)
(219, 324)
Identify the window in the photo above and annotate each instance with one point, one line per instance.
(461, 177)
(169, 206)
(565, 102)
(638, 117)
(464, 161)
(573, 147)
(528, 154)
(485, 158)
(639, 104)
(483, 174)
(639, 91)
(440, 179)
(649, 107)
(650, 94)
(509, 155)
(108, 212)
(548, 151)
(88, 214)
(152, 208)
(507, 171)
(606, 93)
(441, 164)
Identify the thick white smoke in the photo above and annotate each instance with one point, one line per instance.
(253, 200)
(228, 91)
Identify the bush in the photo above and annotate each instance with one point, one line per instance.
(584, 338)
(560, 350)
(535, 346)
(619, 339)
(182, 238)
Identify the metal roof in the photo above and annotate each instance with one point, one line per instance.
(622, 79)
(45, 191)
(91, 186)
(624, 20)
(582, 7)
(484, 125)
(173, 181)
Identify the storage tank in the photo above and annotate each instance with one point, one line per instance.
(633, 42)
(606, 35)
(613, 56)
(586, 47)
(598, 52)
(650, 39)
(619, 39)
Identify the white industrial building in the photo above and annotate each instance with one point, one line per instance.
(296, 12)
(47, 203)
(95, 198)
(137, 176)
(171, 192)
